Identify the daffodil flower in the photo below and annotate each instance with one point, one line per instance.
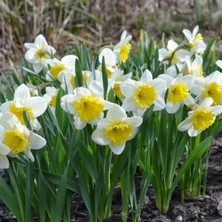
(86, 104)
(195, 39)
(172, 52)
(68, 79)
(17, 138)
(141, 95)
(210, 86)
(110, 61)
(4, 151)
(116, 129)
(38, 52)
(122, 49)
(194, 67)
(51, 96)
(178, 91)
(200, 118)
(57, 67)
(34, 106)
(119, 77)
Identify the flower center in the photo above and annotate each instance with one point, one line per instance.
(198, 37)
(18, 111)
(214, 90)
(56, 69)
(42, 54)
(118, 133)
(53, 101)
(88, 108)
(124, 52)
(117, 90)
(202, 119)
(178, 92)
(16, 141)
(145, 96)
(73, 81)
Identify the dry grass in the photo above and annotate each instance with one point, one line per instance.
(98, 22)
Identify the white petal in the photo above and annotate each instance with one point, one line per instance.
(4, 163)
(69, 61)
(109, 56)
(29, 154)
(146, 76)
(99, 137)
(37, 67)
(207, 102)
(192, 132)
(22, 94)
(159, 104)
(117, 149)
(38, 105)
(217, 110)
(116, 113)
(172, 108)
(128, 87)
(189, 100)
(135, 121)
(36, 141)
(79, 124)
(4, 150)
(219, 63)
(40, 41)
(188, 35)
(172, 45)
(185, 125)
(128, 104)
(30, 56)
(29, 45)
(195, 31)
(163, 53)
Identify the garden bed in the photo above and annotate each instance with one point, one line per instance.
(201, 209)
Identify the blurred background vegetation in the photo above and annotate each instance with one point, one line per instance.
(100, 22)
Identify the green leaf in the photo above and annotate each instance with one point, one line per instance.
(78, 73)
(30, 173)
(105, 79)
(8, 198)
(193, 156)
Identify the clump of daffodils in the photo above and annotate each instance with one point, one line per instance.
(15, 137)
(114, 119)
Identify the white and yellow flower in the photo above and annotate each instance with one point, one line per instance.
(194, 67)
(4, 151)
(68, 79)
(110, 61)
(122, 49)
(210, 86)
(51, 96)
(200, 118)
(141, 95)
(116, 129)
(34, 106)
(38, 52)
(119, 77)
(17, 138)
(178, 91)
(86, 104)
(58, 68)
(173, 53)
(195, 40)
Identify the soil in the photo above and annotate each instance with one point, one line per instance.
(206, 208)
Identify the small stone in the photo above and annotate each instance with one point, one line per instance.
(219, 208)
(178, 219)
